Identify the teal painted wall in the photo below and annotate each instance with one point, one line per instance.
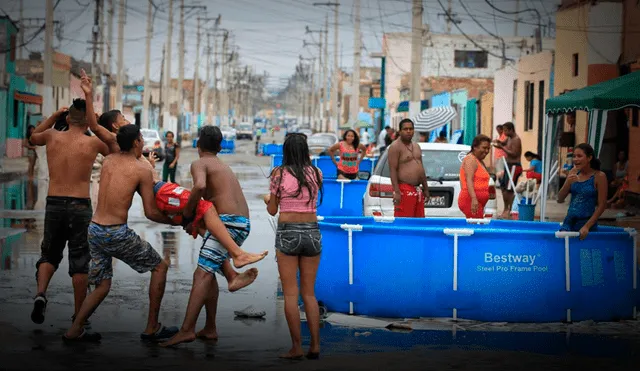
(4, 119)
(459, 97)
(471, 128)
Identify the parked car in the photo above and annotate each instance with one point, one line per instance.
(151, 139)
(228, 132)
(442, 165)
(307, 132)
(319, 143)
(244, 130)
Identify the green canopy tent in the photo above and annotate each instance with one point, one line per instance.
(597, 100)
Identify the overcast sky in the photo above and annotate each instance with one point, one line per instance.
(269, 33)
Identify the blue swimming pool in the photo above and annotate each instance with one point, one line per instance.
(328, 168)
(493, 271)
(342, 197)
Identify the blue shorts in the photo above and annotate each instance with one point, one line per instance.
(118, 241)
(212, 253)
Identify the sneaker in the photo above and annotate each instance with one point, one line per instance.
(39, 308)
(87, 323)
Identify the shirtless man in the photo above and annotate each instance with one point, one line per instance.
(214, 180)
(109, 124)
(70, 157)
(109, 236)
(512, 148)
(407, 174)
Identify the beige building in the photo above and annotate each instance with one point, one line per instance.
(532, 88)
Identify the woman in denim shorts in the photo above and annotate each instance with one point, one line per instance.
(294, 190)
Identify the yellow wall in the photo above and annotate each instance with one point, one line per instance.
(570, 39)
(486, 119)
(532, 68)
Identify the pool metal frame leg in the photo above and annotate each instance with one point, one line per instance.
(634, 235)
(456, 232)
(567, 264)
(350, 228)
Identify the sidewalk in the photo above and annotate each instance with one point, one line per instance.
(11, 168)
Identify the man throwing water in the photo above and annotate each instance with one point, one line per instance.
(70, 157)
(407, 174)
(110, 237)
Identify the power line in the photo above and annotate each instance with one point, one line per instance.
(10, 49)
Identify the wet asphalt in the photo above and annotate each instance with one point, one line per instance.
(243, 343)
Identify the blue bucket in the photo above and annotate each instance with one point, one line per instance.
(526, 212)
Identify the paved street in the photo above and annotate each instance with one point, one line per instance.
(243, 343)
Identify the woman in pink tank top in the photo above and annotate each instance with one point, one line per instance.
(294, 189)
(350, 148)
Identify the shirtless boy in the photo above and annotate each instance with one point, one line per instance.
(110, 237)
(216, 182)
(171, 200)
(109, 123)
(512, 148)
(407, 174)
(70, 157)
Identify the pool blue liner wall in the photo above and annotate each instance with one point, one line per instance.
(327, 166)
(506, 270)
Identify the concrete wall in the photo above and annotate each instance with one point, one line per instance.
(439, 53)
(503, 110)
(397, 47)
(533, 68)
(605, 32)
(571, 38)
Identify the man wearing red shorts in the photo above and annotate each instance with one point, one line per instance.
(407, 174)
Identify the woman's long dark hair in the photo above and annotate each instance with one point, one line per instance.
(356, 138)
(588, 151)
(30, 130)
(296, 160)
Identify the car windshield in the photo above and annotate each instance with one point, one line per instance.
(244, 127)
(439, 165)
(320, 140)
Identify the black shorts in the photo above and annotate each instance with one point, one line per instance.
(66, 219)
(353, 176)
(299, 239)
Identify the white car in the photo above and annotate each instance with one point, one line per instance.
(319, 143)
(244, 130)
(150, 137)
(228, 132)
(442, 164)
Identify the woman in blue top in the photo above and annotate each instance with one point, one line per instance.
(535, 171)
(588, 188)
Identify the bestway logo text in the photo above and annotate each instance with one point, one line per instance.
(509, 258)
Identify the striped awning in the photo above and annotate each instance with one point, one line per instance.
(434, 118)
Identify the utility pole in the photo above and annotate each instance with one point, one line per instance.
(111, 13)
(101, 38)
(325, 73)
(96, 29)
(120, 76)
(416, 61)
(321, 78)
(449, 10)
(334, 80)
(181, 69)
(216, 96)
(355, 79)
(517, 20)
(161, 118)
(207, 79)
(21, 40)
(167, 76)
(48, 57)
(196, 84)
(146, 95)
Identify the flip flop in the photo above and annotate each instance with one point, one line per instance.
(85, 337)
(163, 333)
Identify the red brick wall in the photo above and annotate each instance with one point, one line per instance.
(634, 159)
(474, 87)
(631, 30)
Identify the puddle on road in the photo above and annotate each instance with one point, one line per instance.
(125, 309)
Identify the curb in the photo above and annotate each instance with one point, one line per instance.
(11, 175)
